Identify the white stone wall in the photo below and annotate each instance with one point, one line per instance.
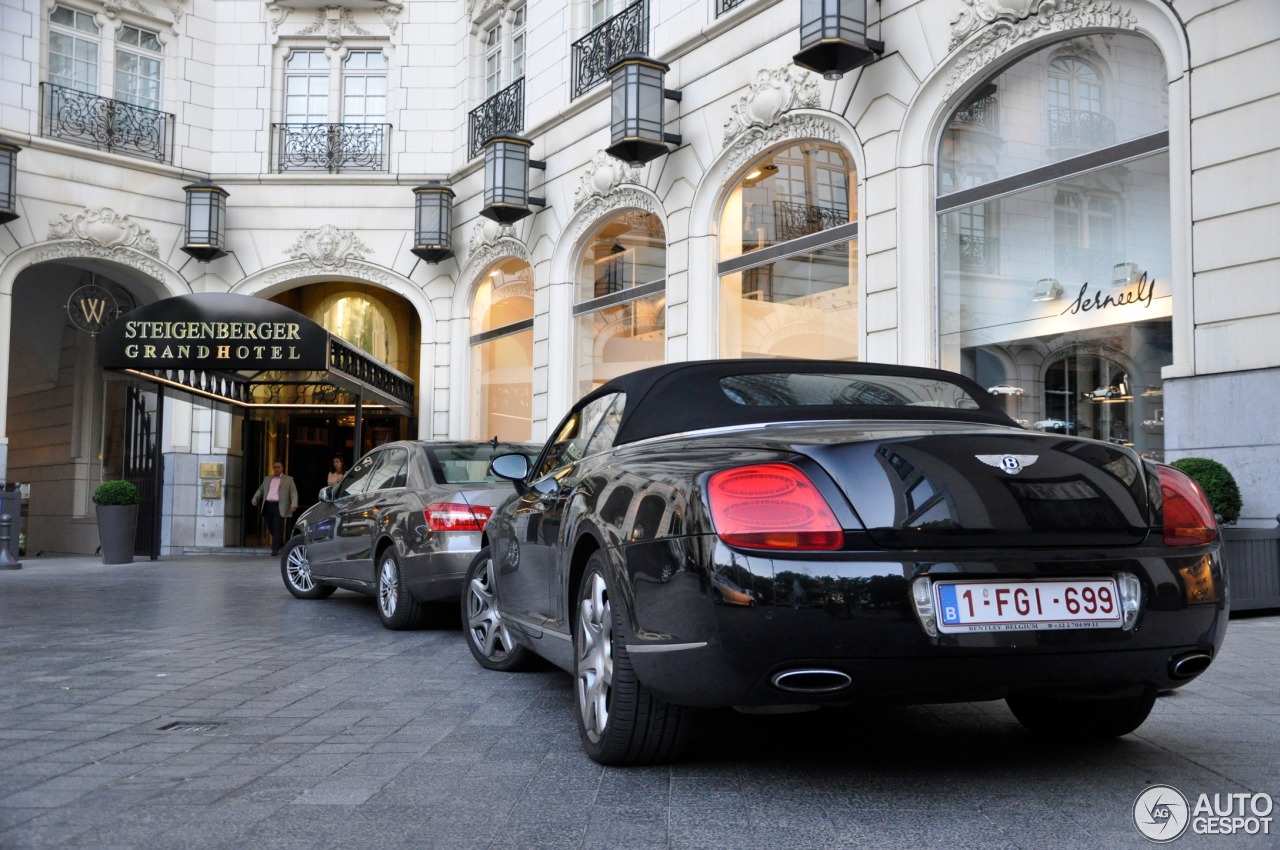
(223, 80)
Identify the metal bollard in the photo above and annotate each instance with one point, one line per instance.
(6, 560)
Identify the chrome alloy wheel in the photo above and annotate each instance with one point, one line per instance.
(388, 587)
(298, 569)
(484, 621)
(595, 658)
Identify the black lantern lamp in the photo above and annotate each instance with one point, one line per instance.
(833, 37)
(8, 181)
(637, 121)
(433, 222)
(506, 178)
(206, 210)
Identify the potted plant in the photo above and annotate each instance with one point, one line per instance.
(117, 503)
(1218, 484)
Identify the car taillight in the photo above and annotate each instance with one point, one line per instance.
(456, 516)
(771, 506)
(1188, 519)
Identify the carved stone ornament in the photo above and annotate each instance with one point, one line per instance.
(604, 174)
(599, 206)
(334, 23)
(119, 254)
(106, 229)
(390, 15)
(328, 248)
(769, 97)
(757, 140)
(491, 241)
(1003, 24)
(277, 15)
(111, 10)
(357, 269)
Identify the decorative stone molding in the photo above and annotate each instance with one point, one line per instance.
(1001, 25)
(603, 176)
(755, 141)
(328, 248)
(771, 95)
(334, 22)
(277, 15)
(106, 229)
(123, 254)
(390, 15)
(362, 271)
(599, 206)
(491, 241)
(111, 10)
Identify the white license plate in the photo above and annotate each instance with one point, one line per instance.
(1007, 606)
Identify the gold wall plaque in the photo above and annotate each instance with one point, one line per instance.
(212, 470)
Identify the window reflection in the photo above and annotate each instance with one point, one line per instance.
(502, 353)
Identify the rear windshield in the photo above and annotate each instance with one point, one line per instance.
(808, 389)
(469, 464)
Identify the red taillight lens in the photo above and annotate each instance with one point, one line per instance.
(1188, 519)
(771, 506)
(456, 516)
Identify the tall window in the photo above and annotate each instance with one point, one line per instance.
(75, 52)
(73, 49)
(356, 94)
(1069, 318)
(502, 45)
(620, 314)
(788, 257)
(502, 353)
(603, 10)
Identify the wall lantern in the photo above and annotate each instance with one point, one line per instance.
(833, 37)
(1047, 289)
(206, 211)
(433, 222)
(637, 121)
(506, 178)
(8, 181)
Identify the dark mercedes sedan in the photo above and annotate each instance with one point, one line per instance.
(403, 525)
(785, 534)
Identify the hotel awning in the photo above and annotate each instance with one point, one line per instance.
(248, 352)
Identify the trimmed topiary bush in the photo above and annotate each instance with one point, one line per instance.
(115, 493)
(1218, 484)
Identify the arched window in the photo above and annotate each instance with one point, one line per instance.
(620, 309)
(1054, 246)
(788, 257)
(502, 353)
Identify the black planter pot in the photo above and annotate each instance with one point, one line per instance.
(117, 531)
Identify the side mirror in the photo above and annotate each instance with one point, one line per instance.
(513, 467)
(326, 494)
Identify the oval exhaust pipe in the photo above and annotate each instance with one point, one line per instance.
(1191, 664)
(811, 681)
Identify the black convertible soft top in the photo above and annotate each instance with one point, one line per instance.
(693, 395)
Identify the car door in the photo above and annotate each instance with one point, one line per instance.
(360, 517)
(531, 586)
(325, 535)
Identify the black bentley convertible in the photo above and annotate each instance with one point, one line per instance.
(800, 533)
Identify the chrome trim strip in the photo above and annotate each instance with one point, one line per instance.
(664, 647)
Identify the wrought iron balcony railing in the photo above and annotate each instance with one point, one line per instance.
(105, 123)
(975, 252)
(1080, 128)
(723, 6)
(981, 114)
(331, 147)
(625, 33)
(502, 113)
(796, 220)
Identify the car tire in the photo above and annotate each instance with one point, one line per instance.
(619, 720)
(397, 607)
(1081, 719)
(295, 569)
(487, 636)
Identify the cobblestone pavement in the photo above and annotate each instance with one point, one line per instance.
(192, 703)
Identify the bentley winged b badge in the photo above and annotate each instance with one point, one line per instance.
(1012, 464)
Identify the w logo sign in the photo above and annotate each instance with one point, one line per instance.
(91, 307)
